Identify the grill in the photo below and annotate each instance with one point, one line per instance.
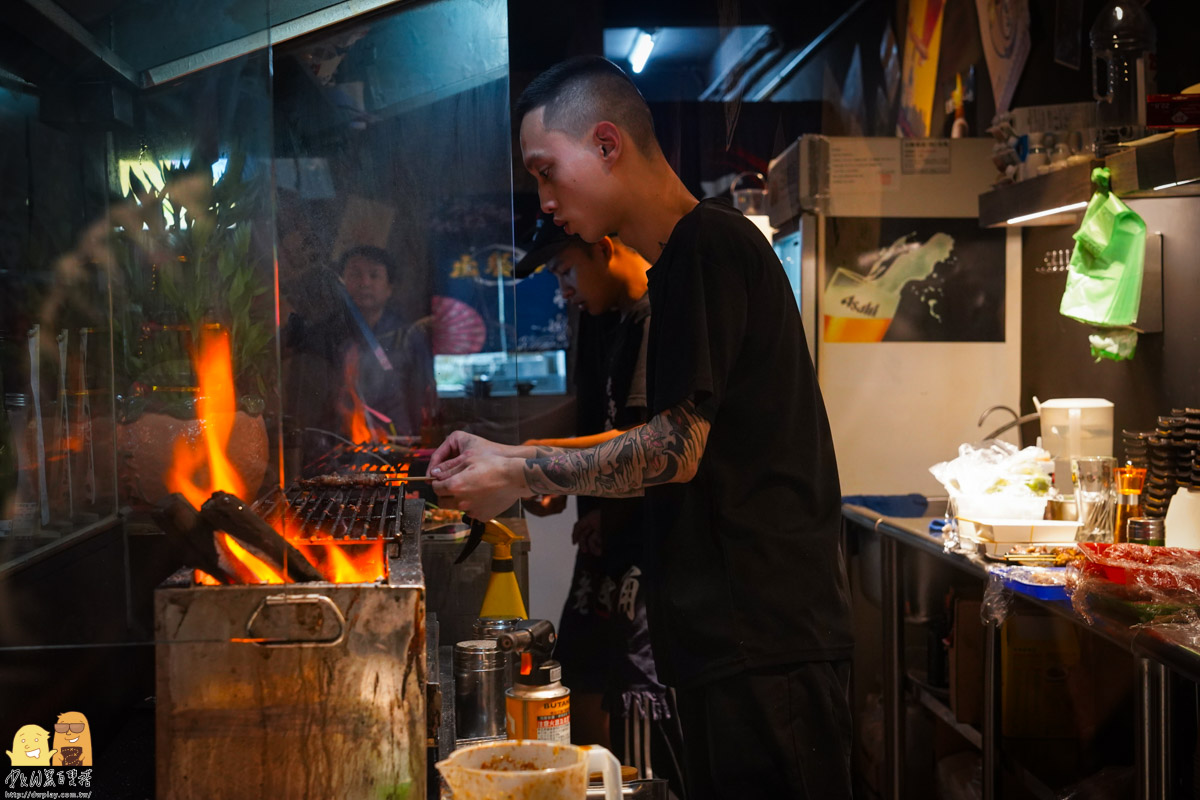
(369, 457)
(303, 689)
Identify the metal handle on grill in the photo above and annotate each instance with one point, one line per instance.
(293, 600)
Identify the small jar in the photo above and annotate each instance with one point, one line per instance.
(1146, 530)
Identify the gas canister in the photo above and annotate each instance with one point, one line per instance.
(538, 706)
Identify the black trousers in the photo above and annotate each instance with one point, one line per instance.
(781, 732)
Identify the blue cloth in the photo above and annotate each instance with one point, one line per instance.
(892, 505)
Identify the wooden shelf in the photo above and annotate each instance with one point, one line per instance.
(1052, 190)
(1163, 168)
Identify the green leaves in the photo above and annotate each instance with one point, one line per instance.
(188, 260)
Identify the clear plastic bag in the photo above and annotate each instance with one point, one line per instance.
(1138, 584)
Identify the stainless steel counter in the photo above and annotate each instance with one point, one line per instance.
(1156, 651)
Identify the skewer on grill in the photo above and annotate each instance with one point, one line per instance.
(360, 479)
(225, 512)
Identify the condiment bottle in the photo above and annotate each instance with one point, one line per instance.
(1129, 482)
(1146, 530)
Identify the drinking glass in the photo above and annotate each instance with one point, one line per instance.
(1095, 497)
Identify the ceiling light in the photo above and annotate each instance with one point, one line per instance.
(643, 43)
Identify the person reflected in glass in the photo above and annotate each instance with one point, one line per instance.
(388, 365)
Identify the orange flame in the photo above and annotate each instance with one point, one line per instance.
(216, 407)
(347, 563)
(200, 468)
(353, 407)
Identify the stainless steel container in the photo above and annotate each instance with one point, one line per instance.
(480, 674)
(491, 628)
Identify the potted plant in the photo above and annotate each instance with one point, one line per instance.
(188, 266)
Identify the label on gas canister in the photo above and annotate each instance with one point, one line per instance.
(547, 719)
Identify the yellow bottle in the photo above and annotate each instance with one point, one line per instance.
(503, 595)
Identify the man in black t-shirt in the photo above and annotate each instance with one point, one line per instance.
(603, 638)
(748, 602)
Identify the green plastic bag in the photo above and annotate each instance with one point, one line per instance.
(1104, 283)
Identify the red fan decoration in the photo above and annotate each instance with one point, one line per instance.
(457, 328)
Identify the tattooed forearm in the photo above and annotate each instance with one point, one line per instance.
(667, 449)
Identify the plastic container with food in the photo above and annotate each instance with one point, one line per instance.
(1018, 530)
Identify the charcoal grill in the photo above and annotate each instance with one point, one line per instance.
(346, 458)
(313, 689)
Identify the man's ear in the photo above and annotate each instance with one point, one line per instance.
(607, 139)
(606, 247)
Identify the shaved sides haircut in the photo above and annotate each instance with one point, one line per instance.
(582, 91)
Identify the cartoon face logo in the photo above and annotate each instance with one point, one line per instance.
(31, 747)
(72, 740)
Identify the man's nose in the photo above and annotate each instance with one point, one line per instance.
(548, 201)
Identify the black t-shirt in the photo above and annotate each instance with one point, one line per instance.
(610, 379)
(744, 566)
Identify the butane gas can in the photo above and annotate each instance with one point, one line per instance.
(538, 706)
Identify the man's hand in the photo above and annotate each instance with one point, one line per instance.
(481, 483)
(460, 443)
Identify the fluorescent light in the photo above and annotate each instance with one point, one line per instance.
(1176, 183)
(1048, 212)
(642, 45)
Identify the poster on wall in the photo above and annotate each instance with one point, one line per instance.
(1004, 32)
(923, 41)
(912, 280)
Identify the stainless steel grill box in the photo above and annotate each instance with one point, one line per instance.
(303, 690)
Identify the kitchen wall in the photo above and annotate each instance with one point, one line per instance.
(1165, 372)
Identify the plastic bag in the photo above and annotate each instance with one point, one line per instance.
(995, 478)
(1104, 284)
(1137, 584)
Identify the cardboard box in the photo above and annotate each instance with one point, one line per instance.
(1173, 111)
(1038, 654)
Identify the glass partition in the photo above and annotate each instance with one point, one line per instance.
(234, 238)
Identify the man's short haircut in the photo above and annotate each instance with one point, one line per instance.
(581, 91)
(369, 253)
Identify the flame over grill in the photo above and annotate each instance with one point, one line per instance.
(340, 530)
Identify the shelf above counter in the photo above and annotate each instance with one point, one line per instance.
(1166, 166)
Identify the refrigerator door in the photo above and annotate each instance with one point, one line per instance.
(918, 318)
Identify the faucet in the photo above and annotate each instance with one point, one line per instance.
(1016, 422)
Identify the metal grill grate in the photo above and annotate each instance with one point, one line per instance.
(317, 515)
(373, 457)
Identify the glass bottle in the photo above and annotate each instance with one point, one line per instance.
(1129, 481)
(1123, 41)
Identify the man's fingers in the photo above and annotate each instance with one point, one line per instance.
(448, 449)
(450, 467)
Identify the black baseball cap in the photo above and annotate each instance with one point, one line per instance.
(541, 243)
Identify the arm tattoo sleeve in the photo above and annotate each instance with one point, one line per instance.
(667, 449)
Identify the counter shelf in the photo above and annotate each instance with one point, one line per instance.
(1157, 653)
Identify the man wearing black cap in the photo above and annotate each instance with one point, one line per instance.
(604, 641)
(748, 596)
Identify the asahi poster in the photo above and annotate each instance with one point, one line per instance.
(912, 280)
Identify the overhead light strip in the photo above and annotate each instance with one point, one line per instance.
(1176, 183)
(643, 45)
(1048, 212)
